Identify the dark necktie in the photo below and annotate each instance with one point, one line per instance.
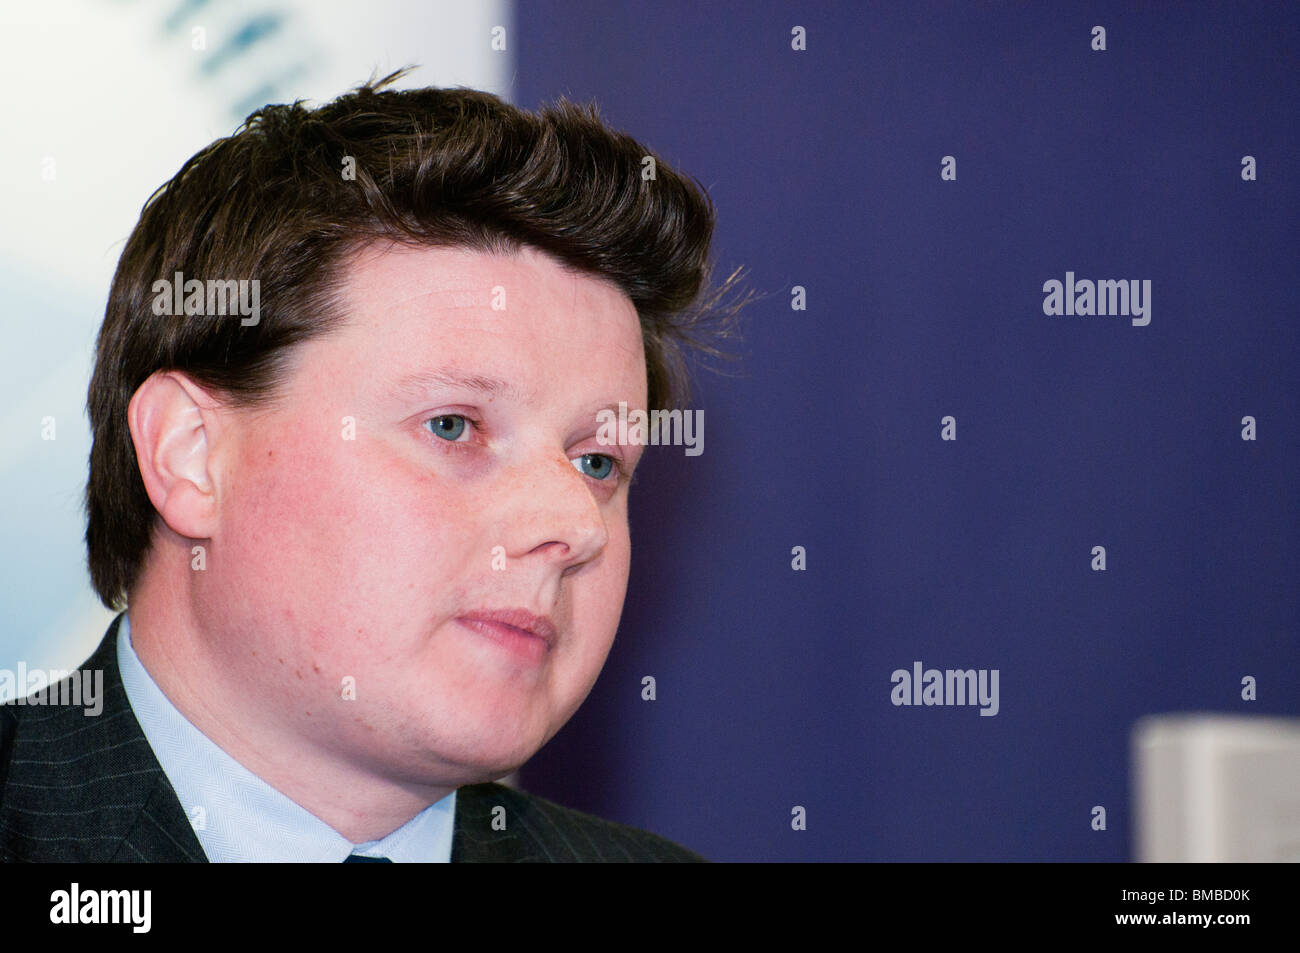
(358, 859)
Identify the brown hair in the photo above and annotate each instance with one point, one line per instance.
(451, 167)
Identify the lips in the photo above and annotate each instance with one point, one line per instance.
(513, 623)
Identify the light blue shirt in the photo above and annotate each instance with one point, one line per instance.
(239, 817)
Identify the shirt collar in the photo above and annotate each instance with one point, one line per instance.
(239, 817)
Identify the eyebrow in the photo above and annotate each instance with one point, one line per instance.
(422, 381)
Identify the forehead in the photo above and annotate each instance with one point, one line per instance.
(418, 308)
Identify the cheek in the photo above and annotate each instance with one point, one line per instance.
(289, 494)
(314, 522)
(601, 604)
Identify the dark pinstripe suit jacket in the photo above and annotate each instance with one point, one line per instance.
(74, 788)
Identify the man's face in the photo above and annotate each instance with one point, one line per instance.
(430, 462)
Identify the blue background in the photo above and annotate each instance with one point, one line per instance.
(925, 300)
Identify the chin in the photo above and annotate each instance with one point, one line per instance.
(480, 767)
(488, 753)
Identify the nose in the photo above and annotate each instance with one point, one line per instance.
(553, 512)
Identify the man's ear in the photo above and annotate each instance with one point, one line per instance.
(173, 425)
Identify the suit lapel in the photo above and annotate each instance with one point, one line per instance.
(476, 840)
(89, 788)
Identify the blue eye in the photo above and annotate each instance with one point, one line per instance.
(604, 464)
(448, 426)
